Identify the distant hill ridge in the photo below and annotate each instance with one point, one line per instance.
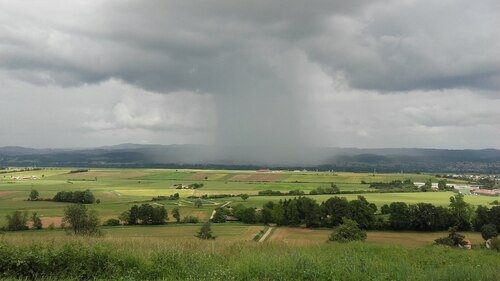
(238, 157)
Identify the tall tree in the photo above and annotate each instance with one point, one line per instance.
(205, 232)
(461, 211)
(81, 220)
(176, 214)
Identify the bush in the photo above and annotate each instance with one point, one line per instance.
(37, 222)
(205, 232)
(112, 222)
(453, 239)
(190, 219)
(348, 231)
(495, 243)
(489, 231)
(17, 221)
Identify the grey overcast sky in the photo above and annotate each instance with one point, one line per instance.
(399, 73)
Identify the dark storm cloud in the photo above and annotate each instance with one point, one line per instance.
(223, 46)
(259, 65)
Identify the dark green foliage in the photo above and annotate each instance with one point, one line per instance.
(384, 210)
(83, 197)
(78, 171)
(198, 203)
(494, 216)
(481, 217)
(267, 212)
(190, 219)
(149, 214)
(81, 220)
(361, 212)
(248, 215)
(112, 222)
(17, 221)
(333, 189)
(145, 214)
(399, 218)
(427, 186)
(37, 222)
(244, 196)
(296, 192)
(487, 183)
(220, 215)
(174, 196)
(310, 211)
(489, 231)
(333, 210)
(348, 231)
(495, 243)
(271, 193)
(442, 185)
(396, 184)
(461, 212)
(196, 185)
(205, 232)
(176, 213)
(453, 238)
(34, 195)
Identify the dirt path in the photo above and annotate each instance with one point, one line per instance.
(268, 232)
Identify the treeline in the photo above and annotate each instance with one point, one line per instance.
(175, 196)
(145, 214)
(396, 184)
(396, 216)
(84, 197)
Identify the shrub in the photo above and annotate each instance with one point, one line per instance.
(17, 221)
(348, 231)
(495, 243)
(51, 226)
(489, 231)
(37, 222)
(453, 238)
(205, 232)
(34, 194)
(112, 222)
(190, 219)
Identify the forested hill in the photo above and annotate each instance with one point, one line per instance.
(485, 161)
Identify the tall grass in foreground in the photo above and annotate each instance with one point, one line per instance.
(204, 260)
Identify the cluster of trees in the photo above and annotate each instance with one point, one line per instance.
(396, 184)
(17, 221)
(78, 171)
(427, 217)
(396, 216)
(295, 192)
(333, 189)
(83, 197)
(145, 214)
(175, 196)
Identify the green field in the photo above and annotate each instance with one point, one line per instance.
(118, 189)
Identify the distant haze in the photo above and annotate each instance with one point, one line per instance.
(260, 80)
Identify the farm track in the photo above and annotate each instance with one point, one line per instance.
(264, 237)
